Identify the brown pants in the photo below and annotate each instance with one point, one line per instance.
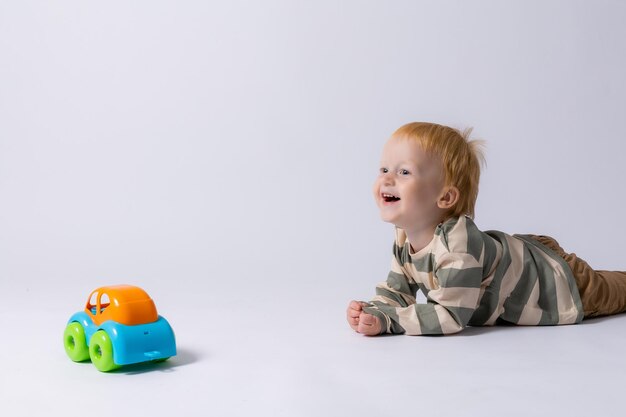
(602, 292)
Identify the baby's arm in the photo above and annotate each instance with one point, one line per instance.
(398, 291)
(450, 304)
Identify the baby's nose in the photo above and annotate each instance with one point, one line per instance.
(388, 178)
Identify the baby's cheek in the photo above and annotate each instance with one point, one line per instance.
(375, 192)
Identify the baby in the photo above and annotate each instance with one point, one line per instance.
(427, 187)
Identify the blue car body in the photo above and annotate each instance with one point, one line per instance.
(133, 344)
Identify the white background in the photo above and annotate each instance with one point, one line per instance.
(221, 156)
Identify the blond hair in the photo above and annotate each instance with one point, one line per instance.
(461, 159)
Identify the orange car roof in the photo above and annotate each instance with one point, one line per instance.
(126, 304)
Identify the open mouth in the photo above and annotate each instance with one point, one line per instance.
(389, 198)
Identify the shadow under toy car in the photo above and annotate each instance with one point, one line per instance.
(119, 326)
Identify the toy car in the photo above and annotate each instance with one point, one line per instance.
(119, 326)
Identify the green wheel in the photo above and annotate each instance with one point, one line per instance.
(101, 351)
(75, 342)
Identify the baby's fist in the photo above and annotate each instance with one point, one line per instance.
(355, 309)
(369, 324)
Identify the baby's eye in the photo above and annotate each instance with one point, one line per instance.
(403, 172)
(383, 170)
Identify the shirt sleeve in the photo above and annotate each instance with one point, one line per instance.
(450, 303)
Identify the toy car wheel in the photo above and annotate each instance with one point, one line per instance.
(101, 351)
(75, 342)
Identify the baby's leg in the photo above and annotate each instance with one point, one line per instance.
(602, 292)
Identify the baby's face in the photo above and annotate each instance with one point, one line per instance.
(409, 185)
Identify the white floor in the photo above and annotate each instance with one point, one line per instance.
(259, 360)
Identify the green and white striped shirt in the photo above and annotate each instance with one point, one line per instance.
(474, 278)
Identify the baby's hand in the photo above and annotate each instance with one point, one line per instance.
(369, 324)
(362, 322)
(355, 309)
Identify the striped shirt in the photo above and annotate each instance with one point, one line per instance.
(474, 278)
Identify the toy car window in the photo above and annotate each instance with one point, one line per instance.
(92, 302)
(104, 302)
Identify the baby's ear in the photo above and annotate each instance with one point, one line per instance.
(449, 198)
